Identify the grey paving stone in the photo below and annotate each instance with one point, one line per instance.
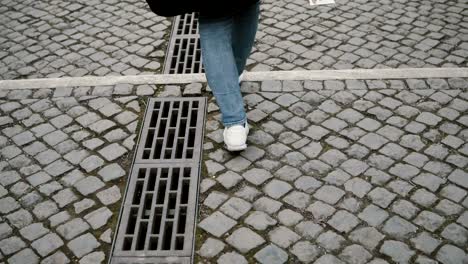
(45, 209)
(257, 176)
(55, 137)
(308, 229)
(330, 240)
(425, 242)
(459, 177)
(211, 247)
(321, 210)
(64, 197)
(89, 185)
(112, 152)
(94, 257)
(399, 228)
(283, 236)
(83, 244)
(247, 193)
(315, 132)
(343, 221)
(33, 231)
(72, 177)
(373, 141)
(297, 199)
(111, 172)
(307, 184)
(333, 157)
(448, 208)
(373, 215)
(50, 188)
(381, 197)
(11, 245)
(238, 164)
(358, 187)
(405, 209)
(397, 251)
(400, 187)
(369, 237)
(232, 258)
(288, 173)
(423, 198)
(20, 218)
(23, 138)
(355, 254)
(106, 236)
(289, 218)
(328, 259)
(59, 218)
(276, 188)
(72, 228)
(109, 196)
(76, 156)
(217, 224)
(24, 256)
(305, 251)
(9, 177)
(253, 153)
(455, 233)
(463, 219)
(229, 179)
(215, 199)
(244, 240)
(449, 254)
(235, 207)
(5, 230)
(99, 217)
(47, 244)
(329, 194)
(337, 177)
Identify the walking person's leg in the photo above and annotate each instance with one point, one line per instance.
(243, 34)
(222, 75)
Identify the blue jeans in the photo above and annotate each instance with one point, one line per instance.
(226, 43)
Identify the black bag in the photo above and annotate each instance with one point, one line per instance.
(170, 8)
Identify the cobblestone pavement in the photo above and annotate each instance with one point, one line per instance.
(56, 38)
(361, 34)
(374, 173)
(64, 158)
(360, 172)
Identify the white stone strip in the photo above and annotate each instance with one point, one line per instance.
(355, 74)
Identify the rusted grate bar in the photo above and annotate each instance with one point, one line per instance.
(157, 219)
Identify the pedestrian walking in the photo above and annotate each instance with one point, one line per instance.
(227, 34)
(226, 43)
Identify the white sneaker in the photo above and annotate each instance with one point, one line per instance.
(235, 137)
(240, 77)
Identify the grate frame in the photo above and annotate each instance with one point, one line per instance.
(184, 50)
(169, 260)
(164, 256)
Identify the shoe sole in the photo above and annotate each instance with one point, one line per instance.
(236, 148)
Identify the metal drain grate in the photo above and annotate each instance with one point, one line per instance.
(171, 131)
(157, 220)
(184, 53)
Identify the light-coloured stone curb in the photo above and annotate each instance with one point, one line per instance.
(353, 74)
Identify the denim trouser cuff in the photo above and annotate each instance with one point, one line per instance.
(241, 122)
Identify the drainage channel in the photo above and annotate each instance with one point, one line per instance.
(183, 55)
(157, 219)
